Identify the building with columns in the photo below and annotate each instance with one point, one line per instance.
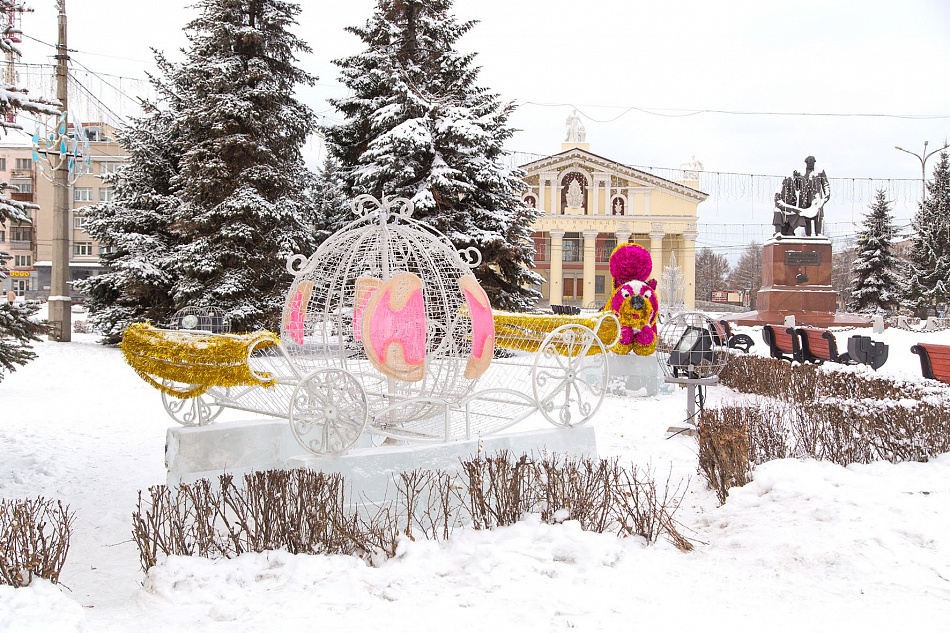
(589, 204)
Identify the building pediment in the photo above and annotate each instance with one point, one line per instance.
(586, 161)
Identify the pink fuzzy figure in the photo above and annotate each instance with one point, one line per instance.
(634, 300)
(629, 262)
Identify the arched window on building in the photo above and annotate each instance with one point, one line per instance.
(618, 206)
(531, 201)
(574, 192)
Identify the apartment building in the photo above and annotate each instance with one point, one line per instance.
(18, 238)
(106, 156)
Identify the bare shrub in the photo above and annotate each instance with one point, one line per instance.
(34, 540)
(498, 490)
(576, 489)
(308, 512)
(776, 378)
(643, 509)
(839, 416)
(724, 448)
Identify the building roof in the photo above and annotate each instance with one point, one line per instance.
(577, 155)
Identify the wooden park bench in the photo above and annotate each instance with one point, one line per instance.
(818, 346)
(736, 341)
(782, 341)
(934, 361)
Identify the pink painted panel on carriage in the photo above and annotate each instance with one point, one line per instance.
(483, 325)
(365, 287)
(295, 319)
(406, 327)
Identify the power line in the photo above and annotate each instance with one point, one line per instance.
(686, 112)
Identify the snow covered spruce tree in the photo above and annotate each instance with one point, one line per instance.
(241, 179)
(18, 329)
(136, 225)
(216, 194)
(928, 268)
(418, 126)
(875, 286)
(331, 207)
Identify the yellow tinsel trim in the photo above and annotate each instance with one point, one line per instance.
(526, 332)
(197, 360)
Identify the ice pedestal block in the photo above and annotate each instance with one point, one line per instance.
(640, 374)
(193, 453)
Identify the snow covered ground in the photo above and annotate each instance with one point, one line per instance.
(806, 546)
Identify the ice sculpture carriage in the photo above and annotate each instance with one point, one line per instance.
(385, 330)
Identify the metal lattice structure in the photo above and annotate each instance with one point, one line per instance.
(385, 330)
(692, 346)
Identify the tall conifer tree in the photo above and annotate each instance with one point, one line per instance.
(331, 207)
(228, 197)
(418, 126)
(241, 181)
(135, 230)
(928, 268)
(875, 286)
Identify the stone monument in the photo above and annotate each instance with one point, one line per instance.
(796, 261)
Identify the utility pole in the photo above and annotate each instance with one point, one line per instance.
(60, 305)
(922, 157)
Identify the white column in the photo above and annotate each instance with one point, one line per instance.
(556, 283)
(590, 266)
(656, 248)
(689, 265)
(542, 205)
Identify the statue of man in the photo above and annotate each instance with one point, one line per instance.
(801, 201)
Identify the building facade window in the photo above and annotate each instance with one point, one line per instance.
(3, 236)
(105, 194)
(21, 234)
(106, 249)
(21, 286)
(599, 284)
(531, 201)
(109, 167)
(542, 249)
(3, 164)
(23, 186)
(81, 249)
(79, 221)
(25, 164)
(22, 261)
(82, 194)
(571, 247)
(603, 253)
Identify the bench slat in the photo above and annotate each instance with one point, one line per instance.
(934, 361)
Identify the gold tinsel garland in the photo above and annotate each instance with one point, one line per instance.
(526, 332)
(197, 360)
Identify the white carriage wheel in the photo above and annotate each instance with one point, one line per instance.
(328, 411)
(197, 411)
(569, 384)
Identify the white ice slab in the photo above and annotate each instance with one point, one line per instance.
(193, 453)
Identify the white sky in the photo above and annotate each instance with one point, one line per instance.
(605, 56)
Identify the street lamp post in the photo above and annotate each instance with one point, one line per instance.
(922, 157)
